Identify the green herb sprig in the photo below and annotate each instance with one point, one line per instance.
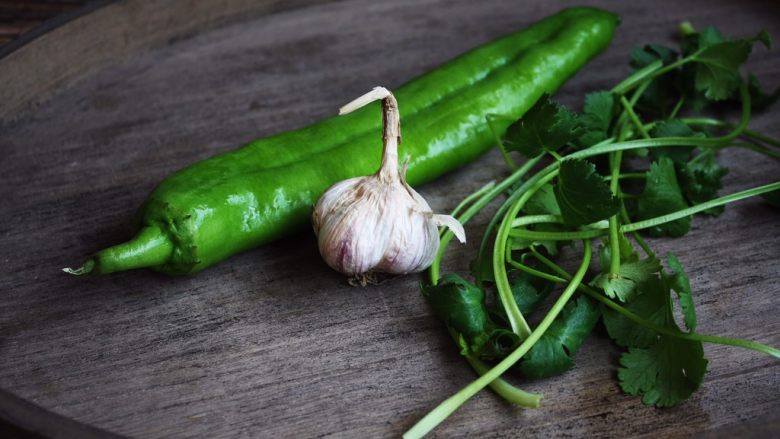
(589, 192)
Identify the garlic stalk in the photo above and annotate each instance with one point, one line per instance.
(378, 223)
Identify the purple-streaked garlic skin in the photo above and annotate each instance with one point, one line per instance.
(364, 225)
(378, 223)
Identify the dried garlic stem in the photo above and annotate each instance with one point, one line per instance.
(378, 223)
(391, 122)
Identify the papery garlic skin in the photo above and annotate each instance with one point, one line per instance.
(378, 223)
(364, 225)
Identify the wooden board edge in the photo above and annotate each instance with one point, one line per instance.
(39, 421)
(108, 33)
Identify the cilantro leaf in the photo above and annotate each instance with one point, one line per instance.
(643, 57)
(627, 252)
(764, 38)
(666, 373)
(680, 284)
(546, 126)
(633, 270)
(664, 369)
(460, 304)
(552, 354)
(484, 273)
(717, 65)
(543, 202)
(662, 195)
(630, 275)
(699, 40)
(709, 36)
(583, 195)
(500, 343)
(701, 180)
(673, 128)
(661, 94)
(597, 117)
(717, 72)
(649, 303)
(526, 295)
(615, 287)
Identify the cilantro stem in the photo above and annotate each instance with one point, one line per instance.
(566, 236)
(448, 406)
(534, 272)
(489, 118)
(675, 141)
(501, 387)
(679, 63)
(480, 260)
(553, 219)
(614, 186)
(677, 107)
(634, 117)
(557, 236)
(483, 196)
(652, 222)
(550, 264)
(614, 247)
(720, 123)
(504, 389)
(637, 77)
(650, 72)
(747, 344)
(555, 155)
(535, 219)
(471, 197)
(621, 122)
(594, 294)
(704, 155)
(720, 201)
(473, 210)
(647, 143)
(628, 175)
(498, 216)
(646, 248)
(504, 290)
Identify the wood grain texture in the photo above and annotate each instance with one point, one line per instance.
(272, 343)
(106, 36)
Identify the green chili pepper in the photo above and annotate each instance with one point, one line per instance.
(245, 198)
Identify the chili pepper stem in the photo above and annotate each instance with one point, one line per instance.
(150, 247)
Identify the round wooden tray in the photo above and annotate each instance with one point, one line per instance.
(273, 343)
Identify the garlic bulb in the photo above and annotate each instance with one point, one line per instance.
(378, 223)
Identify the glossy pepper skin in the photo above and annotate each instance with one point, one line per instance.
(248, 197)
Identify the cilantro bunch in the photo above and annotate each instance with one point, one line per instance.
(638, 158)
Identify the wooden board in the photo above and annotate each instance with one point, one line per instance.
(273, 343)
